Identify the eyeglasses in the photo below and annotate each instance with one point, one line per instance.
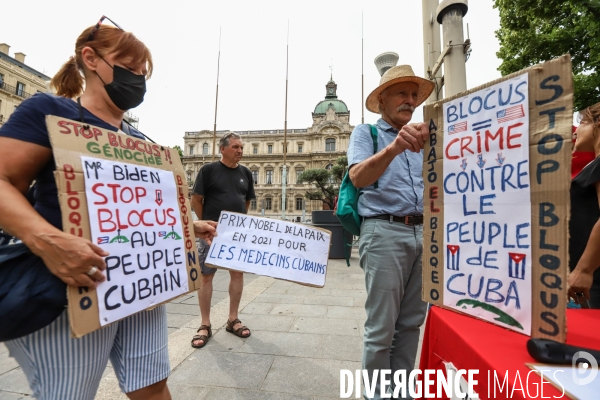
(93, 33)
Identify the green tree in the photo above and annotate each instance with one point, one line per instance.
(176, 147)
(533, 31)
(327, 182)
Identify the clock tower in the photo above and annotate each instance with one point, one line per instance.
(331, 90)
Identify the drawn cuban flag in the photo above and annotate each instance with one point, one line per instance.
(452, 257)
(456, 128)
(102, 239)
(510, 113)
(516, 265)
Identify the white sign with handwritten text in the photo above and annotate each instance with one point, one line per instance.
(134, 216)
(270, 247)
(487, 206)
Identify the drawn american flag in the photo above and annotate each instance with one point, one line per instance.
(162, 233)
(510, 113)
(456, 128)
(102, 239)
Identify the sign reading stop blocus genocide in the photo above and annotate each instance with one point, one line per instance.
(497, 175)
(129, 197)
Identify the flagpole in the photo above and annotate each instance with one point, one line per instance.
(362, 66)
(216, 99)
(284, 175)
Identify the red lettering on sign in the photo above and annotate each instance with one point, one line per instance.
(105, 222)
(95, 191)
(69, 172)
(173, 219)
(510, 136)
(112, 139)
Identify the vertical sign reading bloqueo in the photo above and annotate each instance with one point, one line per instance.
(497, 175)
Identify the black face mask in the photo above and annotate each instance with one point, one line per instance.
(127, 89)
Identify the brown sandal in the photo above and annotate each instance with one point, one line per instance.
(238, 331)
(204, 338)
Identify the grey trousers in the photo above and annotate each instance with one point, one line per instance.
(390, 256)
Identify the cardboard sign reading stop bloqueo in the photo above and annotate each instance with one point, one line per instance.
(129, 197)
(275, 248)
(497, 176)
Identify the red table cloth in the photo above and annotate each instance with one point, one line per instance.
(470, 343)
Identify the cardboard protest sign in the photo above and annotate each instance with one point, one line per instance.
(130, 197)
(497, 176)
(264, 246)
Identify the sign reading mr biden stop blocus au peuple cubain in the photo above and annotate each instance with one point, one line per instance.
(497, 175)
(129, 197)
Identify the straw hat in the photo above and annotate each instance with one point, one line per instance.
(400, 73)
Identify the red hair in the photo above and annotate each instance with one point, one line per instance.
(69, 80)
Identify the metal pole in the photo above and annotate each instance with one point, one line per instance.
(216, 99)
(450, 16)
(431, 46)
(284, 176)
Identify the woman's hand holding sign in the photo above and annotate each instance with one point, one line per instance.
(79, 262)
(71, 258)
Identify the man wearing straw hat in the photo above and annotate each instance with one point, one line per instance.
(391, 233)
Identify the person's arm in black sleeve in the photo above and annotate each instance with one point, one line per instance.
(198, 194)
(250, 195)
(582, 277)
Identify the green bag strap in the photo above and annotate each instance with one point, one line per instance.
(374, 137)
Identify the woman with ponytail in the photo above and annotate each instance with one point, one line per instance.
(105, 77)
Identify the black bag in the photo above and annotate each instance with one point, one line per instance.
(31, 297)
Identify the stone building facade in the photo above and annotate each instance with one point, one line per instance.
(18, 82)
(317, 146)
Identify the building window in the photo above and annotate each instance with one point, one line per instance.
(329, 144)
(298, 172)
(1, 79)
(269, 177)
(268, 204)
(299, 148)
(253, 204)
(284, 147)
(270, 149)
(205, 148)
(191, 150)
(20, 89)
(299, 203)
(255, 177)
(255, 149)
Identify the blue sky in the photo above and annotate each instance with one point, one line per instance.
(184, 37)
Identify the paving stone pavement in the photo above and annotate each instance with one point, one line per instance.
(301, 338)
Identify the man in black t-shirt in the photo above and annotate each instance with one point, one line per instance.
(221, 186)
